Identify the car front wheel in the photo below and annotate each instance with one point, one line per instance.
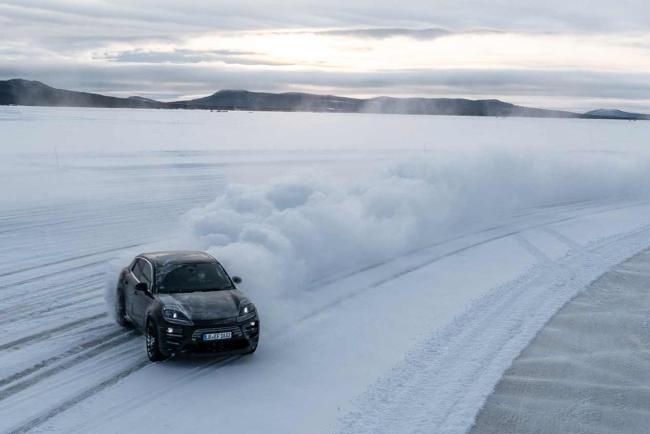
(152, 343)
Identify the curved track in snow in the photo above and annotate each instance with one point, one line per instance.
(61, 350)
(441, 385)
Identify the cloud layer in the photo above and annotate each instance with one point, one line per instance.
(553, 54)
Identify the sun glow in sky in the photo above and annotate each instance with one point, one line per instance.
(551, 55)
(464, 50)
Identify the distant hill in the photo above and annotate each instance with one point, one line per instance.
(616, 114)
(293, 101)
(24, 92)
(35, 93)
(149, 100)
(457, 106)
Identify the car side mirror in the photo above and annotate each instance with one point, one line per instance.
(236, 279)
(142, 286)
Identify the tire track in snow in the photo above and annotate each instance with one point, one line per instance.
(441, 385)
(50, 301)
(47, 362)
(440, 257)
(88, 393)
(8, 228)
(94, 295)
(77, 284)
(71, 402)
(161, 389)
(54, 273)
(515, 232)
(517, 218)
(49, 332)
(607, 208)
(70, 259)
(405, 271)
(83, 352)
(563, 238)
(428, 262)
(504, 304)
(536, 253)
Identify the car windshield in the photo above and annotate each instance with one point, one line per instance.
(192, 277)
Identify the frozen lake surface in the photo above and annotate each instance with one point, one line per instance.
(407, 260)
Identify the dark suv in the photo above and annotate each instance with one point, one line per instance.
(186, 302)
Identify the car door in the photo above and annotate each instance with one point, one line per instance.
(142, 299)
(131, 279)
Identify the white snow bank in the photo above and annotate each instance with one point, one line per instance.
(302, 226)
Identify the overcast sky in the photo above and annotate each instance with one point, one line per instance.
(568, 54)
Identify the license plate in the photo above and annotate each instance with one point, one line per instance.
(217, 336)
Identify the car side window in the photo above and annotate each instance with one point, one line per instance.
(136, 269)
(147, 272)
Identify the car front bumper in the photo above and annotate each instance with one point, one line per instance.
(175, 338)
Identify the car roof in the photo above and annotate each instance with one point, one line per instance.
(177, 257)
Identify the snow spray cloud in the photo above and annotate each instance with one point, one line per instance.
(285, 235)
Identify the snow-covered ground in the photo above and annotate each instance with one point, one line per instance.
(587, 369)
(400, 263)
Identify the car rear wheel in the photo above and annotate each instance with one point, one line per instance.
(152, 343)
(120, 311)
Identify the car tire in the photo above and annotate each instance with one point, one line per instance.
(152, 343)
(120, 310)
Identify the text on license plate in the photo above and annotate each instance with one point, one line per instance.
(217, 336)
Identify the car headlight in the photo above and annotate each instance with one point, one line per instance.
(246, 311)
(174, 314)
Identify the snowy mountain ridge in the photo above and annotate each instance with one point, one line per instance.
(35, 93)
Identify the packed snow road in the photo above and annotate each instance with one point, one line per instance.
(341, 356)
(587, 370)
(417, 295)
